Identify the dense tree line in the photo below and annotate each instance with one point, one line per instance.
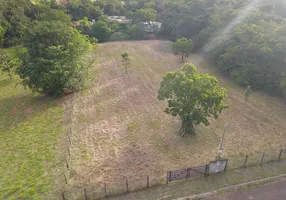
(249, 47)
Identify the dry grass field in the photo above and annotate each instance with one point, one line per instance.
(122, 133)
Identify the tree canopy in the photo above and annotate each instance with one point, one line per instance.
(101, 31)
(194, 97)
(247, 42)
(55, 58)
(182, 47)
(144, 15)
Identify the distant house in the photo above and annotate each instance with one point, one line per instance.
(121, 19)
(75, 23)
(151, 27)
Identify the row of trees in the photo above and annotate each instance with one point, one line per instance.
(251, 50)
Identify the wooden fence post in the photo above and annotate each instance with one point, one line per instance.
(170, 174)
(63, 195)
(66, 179)
(147, 181)
(262, 158)
(85, 194)
(246, 158)
(167, 181)
(281, 151)
(105, 192)
(225, 165)
(207, 169)
(67, 165)
(127, 186)
(188, 173)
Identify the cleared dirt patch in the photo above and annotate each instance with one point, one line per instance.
(122, 133)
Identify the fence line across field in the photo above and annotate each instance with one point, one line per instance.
(217, 166)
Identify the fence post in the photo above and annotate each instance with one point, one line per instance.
(127, 186)
(147, 181)
(188, 173)
(206, 170)
(70, 140)
(170, 174)
(63, 195)
(66, 179)
(281, 151)
(225, 165)
(167, 181)
(105, 193)
(262, 158)
(69, 151)
(67, 165)
(85, 194)
(246, 158)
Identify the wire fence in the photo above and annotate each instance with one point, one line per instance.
(111, 189)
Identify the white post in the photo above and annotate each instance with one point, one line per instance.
(222, 139)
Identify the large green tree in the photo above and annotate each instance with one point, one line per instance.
(182, 47)
(55, 60)
(194, 97)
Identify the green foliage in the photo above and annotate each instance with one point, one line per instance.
(84, 26)
(144, 15)
(101, 31)
(125, 61)
(193, 96)
(54, 15)
(7, 64)
(135, 32)
(2, 32)
(14, 19)
(55, 60)
(251, 51)
(248, 91)
(118, 36)
(183, 47)
(79, 10)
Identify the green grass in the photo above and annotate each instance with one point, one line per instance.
(29, 128)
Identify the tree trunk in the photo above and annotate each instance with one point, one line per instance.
(187, 127)
(246, 100)
(9, 74)
(183, 58)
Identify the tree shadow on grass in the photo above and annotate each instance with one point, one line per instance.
(18, 109)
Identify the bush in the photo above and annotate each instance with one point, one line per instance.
(118, 36)
(101, 31)
(135, 32)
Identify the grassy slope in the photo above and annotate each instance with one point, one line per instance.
(29, 128)
(122, 133)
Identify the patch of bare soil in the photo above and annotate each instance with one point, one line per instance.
(122, 133)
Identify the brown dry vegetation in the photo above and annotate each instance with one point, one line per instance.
(122, 133)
